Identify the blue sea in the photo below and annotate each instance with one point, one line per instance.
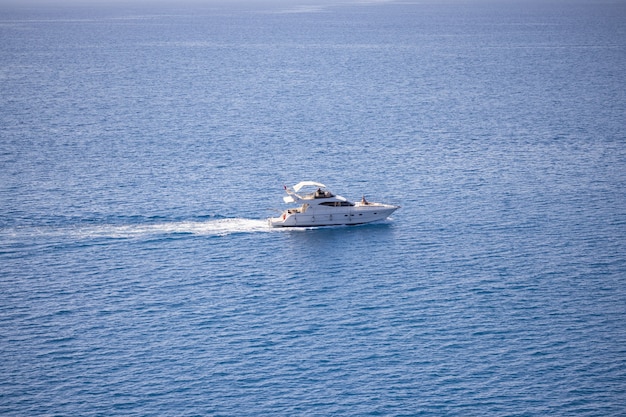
(144, 144)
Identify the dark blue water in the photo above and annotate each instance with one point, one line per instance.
(143, 145)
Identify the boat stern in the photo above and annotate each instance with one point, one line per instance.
(284, 220)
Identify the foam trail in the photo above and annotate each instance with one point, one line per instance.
(221, 227)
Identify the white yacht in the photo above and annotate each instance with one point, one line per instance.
(320, 207)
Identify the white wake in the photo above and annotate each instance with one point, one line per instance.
(215, 227)
(219, 227)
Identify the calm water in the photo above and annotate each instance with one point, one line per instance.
(142, 147)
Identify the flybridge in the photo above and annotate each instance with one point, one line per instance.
(302, 184)
(320, 191)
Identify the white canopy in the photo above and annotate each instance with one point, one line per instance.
(299, 185)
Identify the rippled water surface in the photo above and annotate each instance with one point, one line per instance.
(143, 146)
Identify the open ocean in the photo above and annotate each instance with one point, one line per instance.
(143, 145)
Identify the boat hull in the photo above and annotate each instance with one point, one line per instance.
(333, 217)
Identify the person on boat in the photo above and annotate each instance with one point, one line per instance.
(364, 201)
